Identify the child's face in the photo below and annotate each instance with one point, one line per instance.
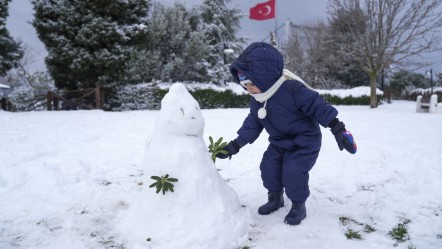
(252, 89)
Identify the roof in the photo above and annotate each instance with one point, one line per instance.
(4, 86)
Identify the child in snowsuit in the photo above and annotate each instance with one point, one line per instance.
(291, 112)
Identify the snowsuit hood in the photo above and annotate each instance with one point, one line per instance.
(261, 63)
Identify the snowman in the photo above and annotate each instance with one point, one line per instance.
(203, 211)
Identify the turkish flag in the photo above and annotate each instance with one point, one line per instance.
(263, 11)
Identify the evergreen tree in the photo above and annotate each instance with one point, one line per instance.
(220, 25)
(89, 41)
(403, 82)
(10, 50)
(342, 66)
(175, 51)
(187, 60)
(187, 45)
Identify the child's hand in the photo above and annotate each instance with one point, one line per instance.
(344, 138)
(232, 148)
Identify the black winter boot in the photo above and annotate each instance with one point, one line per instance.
(275, 201)
(296, 214)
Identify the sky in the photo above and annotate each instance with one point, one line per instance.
(80, 179)
(297, 11)
(21, 14)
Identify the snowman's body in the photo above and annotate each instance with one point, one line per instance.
(203, 207)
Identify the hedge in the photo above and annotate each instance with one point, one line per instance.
(349, 100)
(148, 97)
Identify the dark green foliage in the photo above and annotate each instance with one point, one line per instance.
(207, 30)
(351, 234)
(335, 100)
(89, 41)
(218, 147)
(349, 76)
(399, 232)
(166, 56)
(403, 80)
(369, 229)
(10, 50)
(148, 97)
(210, 99)
(163, 184)
(352, 226)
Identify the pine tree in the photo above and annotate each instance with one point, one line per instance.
(220, 25)
(176, 49)
(89, 41)
(10, 50)
(187, 60)
(187, 45)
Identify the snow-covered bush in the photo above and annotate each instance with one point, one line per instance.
(27, 89)
(22, 99)
(349, 100)
(147, 96)
(425, 92)
(355, 96)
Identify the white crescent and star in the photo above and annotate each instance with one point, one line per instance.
(268, 10)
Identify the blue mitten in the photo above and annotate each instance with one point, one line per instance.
(343, 137)
(232, 148)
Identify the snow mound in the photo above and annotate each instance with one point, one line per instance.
(203, 211)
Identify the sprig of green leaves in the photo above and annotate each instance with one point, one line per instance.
(217, 147)
(163, 183)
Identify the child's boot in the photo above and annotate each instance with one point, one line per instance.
(296, 214)
(275, 201)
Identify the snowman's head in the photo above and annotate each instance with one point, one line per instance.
(180, 113)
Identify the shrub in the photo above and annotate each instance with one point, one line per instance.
(350, 100)
(425, 93)
(148, 97)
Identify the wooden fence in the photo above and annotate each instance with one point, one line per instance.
(73, 99)
(5, 104)
(63, 100)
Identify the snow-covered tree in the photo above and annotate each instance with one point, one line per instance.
(10, 50)
(176, 49)
(403, 82)
(386, 32)
(220, 25)
(89, 41)
(307, 55)
(208, 30)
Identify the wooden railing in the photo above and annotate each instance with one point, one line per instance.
(63, 100)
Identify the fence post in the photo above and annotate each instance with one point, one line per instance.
(56, 101)
(97, 98)
(3, 104)
(49, 100)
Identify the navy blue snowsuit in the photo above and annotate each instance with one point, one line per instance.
(293, 114)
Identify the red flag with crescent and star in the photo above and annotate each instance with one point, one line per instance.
(263, 11)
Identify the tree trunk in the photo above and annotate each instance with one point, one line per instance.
(373, 97)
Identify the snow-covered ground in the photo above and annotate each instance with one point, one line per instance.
(67, 176)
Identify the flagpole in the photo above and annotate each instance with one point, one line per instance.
(276, 28)
(265, 11)
(276, 25)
